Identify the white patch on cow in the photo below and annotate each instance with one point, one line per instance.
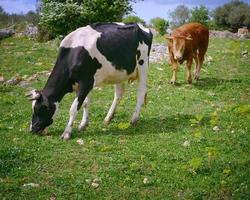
(33, 105)
(143, 28)
(85, 116)
(119, 90)
(84, 36)
(142, 84)
(120, 23)
(73, 111)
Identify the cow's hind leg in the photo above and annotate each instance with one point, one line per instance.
(119, 90)
(189, 65)
(196, 71)
(85, 118)
(142, 91)
(84, 89)
(201, 56)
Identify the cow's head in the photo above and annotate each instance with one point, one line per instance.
(43, 111)
(178, 43)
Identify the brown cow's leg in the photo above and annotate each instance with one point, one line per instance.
(201, 56)
(189, 65)
(174, 76)
(197, 67)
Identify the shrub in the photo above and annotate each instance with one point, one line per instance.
(64, 16)
(133, 18)
(159, 24)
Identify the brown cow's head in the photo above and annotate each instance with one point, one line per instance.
(178, 43)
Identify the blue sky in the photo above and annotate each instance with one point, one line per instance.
(146, 9)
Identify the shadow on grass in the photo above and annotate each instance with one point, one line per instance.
(210, 83)
(175, 123)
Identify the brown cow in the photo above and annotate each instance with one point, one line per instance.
(188, 42)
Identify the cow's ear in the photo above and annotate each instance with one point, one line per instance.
(33, 95)
(189, 37)
(169, 38)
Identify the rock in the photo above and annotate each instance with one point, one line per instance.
(31, 31)
(145, 181)
(7, 32)
(14, 80)
(245, 52)
(95, 185)
(159, 53)
(31, 185)
(1, 79)
(216, 128)
(186, 144)
(24, 83)
(80, 142)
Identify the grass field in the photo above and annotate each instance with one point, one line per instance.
(171, 153)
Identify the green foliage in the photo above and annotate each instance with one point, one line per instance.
(133, 18)
(200, 14)
(159, 24)
(232, 15)
(62, 17)
(179, 16)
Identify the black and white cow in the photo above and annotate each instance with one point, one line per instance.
(97, 54)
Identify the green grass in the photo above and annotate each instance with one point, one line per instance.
(216, 165)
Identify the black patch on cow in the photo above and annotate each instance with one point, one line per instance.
(138, 54)
(119, 43)
(73, 65)
(141, 62)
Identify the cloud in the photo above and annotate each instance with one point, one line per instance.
(18, 6)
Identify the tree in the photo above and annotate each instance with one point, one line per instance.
(159, 24)
(59, 17)
(133, 18)
(3, 17)
(232, 15)
(200, 14)
(180, 15)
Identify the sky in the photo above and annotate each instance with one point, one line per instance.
(146, 9)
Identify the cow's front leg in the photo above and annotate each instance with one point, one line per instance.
(85, 118)
(73, 111)
(189, 65)
(174, 68)
(84, 88)
(141, 93)
(119, 90)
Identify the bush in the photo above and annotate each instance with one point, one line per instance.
(232, 15)
(200, 14)
(133, 18)
(64, 16)
(159, 24)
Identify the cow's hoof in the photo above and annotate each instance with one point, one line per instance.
(196, 77)
(67, 133)
(133, 121)
(189, 81)
(83, 126)
(106, 122)
(172, 82)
